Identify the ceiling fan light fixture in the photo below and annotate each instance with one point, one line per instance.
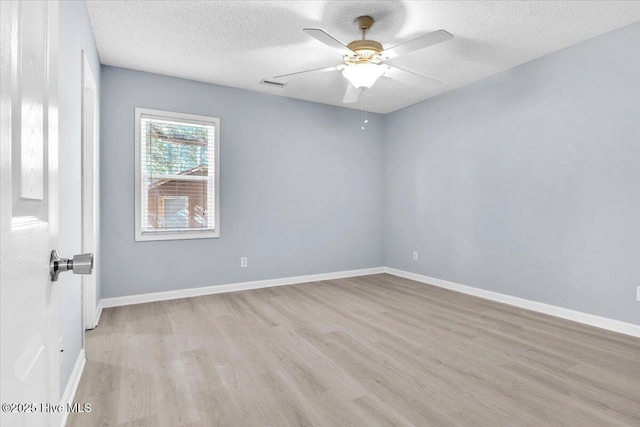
(363, 76)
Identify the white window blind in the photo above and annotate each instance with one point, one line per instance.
(177, 175)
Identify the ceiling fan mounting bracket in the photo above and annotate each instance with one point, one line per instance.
(364, 22)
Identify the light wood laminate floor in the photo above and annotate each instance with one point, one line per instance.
(366, 351)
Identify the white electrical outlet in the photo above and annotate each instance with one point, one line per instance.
(415, 255)
(638, 293)
(244, 261)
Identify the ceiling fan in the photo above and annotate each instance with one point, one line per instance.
(363, 59)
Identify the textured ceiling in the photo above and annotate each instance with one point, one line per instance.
(239, 43)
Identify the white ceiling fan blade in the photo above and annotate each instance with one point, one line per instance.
(414, 79)
(351, 95)
(416, 44)
(325, 38)
(315, 70)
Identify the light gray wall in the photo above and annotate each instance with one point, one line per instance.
(528, 182)
(301, 188)
(75, 35)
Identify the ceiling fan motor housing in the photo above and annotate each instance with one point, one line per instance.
(368, 51)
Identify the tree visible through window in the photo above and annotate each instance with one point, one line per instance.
(177, 175)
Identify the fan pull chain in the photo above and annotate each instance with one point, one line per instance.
(365, 118)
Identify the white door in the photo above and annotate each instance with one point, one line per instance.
(29, 212)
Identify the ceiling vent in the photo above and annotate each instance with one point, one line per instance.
(272, 83)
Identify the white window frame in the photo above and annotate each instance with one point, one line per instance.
(176, 234)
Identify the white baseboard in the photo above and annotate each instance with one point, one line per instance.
(72, 386)
(233, 287)
(552, 310)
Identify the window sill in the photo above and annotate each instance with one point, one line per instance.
(177, 235)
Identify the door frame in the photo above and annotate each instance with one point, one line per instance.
(90, 189)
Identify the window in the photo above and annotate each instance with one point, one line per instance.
(177, 176)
